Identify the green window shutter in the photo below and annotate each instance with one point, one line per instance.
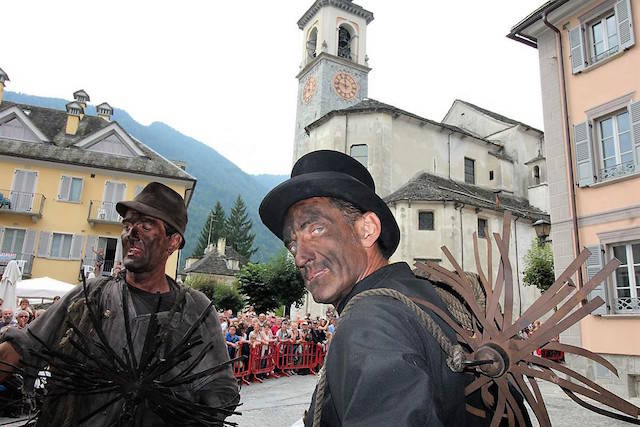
(625, 24)
(577, 50)
(594, 264)
(584, 155)
(44, 243)
(634, 114)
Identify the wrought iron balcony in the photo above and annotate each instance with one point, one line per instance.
(25, 262)
(627, 305)
(21, 203)
(103, 213)
(615, 171)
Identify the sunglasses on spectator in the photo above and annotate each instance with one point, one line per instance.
(23, 315)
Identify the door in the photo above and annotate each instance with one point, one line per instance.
(113, 193)
(22, 190)
(107, 246)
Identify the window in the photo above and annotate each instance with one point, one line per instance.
(312, 43)
(344, 43)
(536, 175)
(627, 277)
(603, 32)
(483, 228)
(13, 240)
(361, 154)
(608, 145)
(60, 245)
(425, 220)
(490, 175)
(70, 189)
(469, 171)
(614, 142)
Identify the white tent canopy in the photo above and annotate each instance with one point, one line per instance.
(42, 287)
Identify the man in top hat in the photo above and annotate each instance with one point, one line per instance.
(153, 227)
(383, 367)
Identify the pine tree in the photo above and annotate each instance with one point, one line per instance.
(213, 229)
(239, 235)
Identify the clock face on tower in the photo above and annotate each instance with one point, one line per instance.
(309, 89)
(345, 85)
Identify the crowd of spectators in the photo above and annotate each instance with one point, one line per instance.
(247, 330)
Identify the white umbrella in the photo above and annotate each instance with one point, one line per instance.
(42, 287)
(10, 278)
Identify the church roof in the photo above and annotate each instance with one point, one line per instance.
(428, 187)
(60, 147)
(346, 5)
(213, 263)
(497, 116)
(368, 105)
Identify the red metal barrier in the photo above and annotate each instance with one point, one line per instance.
(263, 360)
(240, 368)
(286, 357)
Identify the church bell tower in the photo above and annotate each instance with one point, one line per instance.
(333, 72)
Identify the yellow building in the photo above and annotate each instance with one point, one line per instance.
(591, 102)
(61, 174)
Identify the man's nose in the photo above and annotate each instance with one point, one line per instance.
(303, 254)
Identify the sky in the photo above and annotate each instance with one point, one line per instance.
(224, 72)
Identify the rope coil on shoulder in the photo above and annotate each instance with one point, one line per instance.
(454, 352)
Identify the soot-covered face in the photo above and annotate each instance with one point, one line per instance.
(326, 248)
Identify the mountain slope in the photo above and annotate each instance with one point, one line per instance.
(218, 178)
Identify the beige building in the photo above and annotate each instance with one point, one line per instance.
(591, 102)
(485, 162)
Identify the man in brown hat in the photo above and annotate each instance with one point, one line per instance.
(153, 227)
(383, 367)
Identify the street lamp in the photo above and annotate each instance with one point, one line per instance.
(543, 229)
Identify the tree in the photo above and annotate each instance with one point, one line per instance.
(239, 235)
(271, 285)
(214, 228)
(538, 270)
(223, 296)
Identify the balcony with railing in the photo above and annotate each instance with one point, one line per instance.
(25, 262)
(616, 171)
(627, 305)
(103, 213)
(21, 203)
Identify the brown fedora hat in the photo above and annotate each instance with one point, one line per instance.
(159, 201)
(327, 173)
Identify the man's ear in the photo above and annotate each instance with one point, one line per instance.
(369, 228)
(175, 240)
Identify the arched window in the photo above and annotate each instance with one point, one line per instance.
(360, 152)
(312, 43)
(344, 42)
(536, 174)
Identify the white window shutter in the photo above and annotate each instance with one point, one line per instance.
(584, 155)
(76, 246)
(625, 24)
(65, 188)
(89, 256)
(634, 113)
(577, 50)
(44, 243)
(594, 265)
(29, 242)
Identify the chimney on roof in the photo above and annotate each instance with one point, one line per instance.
(497, 193)
(75, 113)
(105, 111)
(222, 243)
(81, 97)
(4, 77)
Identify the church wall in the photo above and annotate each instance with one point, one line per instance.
(449, 220)
(472, 120)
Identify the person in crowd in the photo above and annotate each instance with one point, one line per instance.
(39, 312)
(99, 262)
(1, 303)
(153, 228)
(284, 333)
(22, 318)
(224, 323)
(305, 332)
(276, 324)
(24, 305)
(341, 235)
(262, 318)
(7, 318)
(318, 336)
(117, 268)
(233, 341)
(56, 298)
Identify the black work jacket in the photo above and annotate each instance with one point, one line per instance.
(383, 367)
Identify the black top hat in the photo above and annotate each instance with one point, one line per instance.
(159, 201)
(327, 173)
